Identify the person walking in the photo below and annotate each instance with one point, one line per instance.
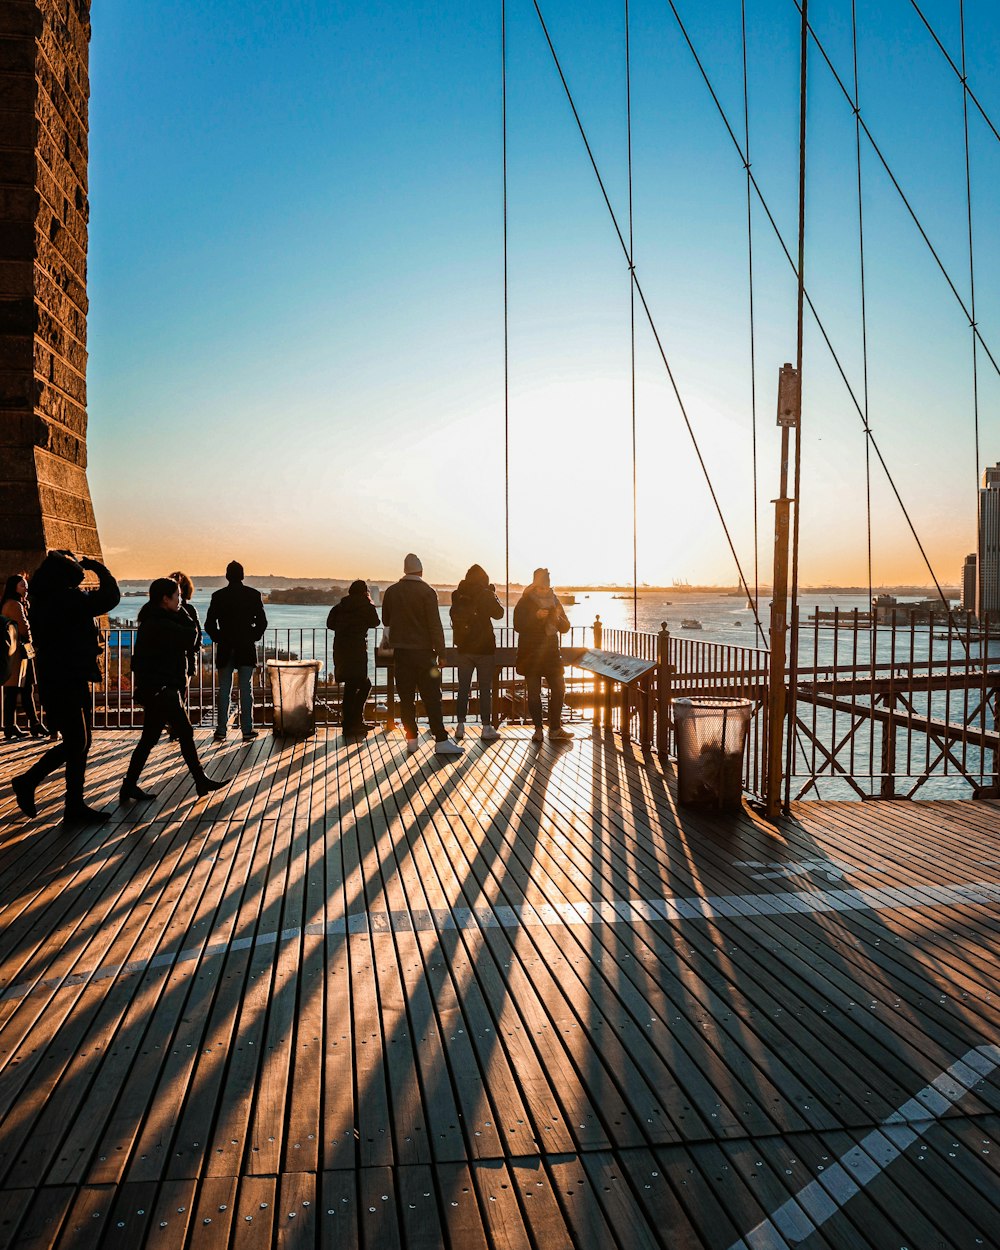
(20, 679)
(350, 620)
(411, 615)
(539, 619)
(474, 608)
(67, 651)
(160, 661)
(236, 623)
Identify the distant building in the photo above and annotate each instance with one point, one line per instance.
(988, 599)
(969, 583)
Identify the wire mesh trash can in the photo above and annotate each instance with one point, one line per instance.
(711, 737)
(293, 693)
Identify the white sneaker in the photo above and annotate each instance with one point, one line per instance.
(489, 734)
(448, 747)
(412, 746)
(538, 735)
(560, 734)
(460, 731)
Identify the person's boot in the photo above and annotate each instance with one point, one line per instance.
(130, 792)
(24, 792)
(10, 729)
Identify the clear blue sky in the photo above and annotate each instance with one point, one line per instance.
(296, 298)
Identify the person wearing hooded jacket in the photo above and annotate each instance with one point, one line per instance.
(67, 653)
(235, 623)
(160, 661)
(474, 608)
(539, 619)
(350, 620)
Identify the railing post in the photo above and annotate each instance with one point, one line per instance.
(598, 638)
(663, 671)
(390, 695)
(888, 787)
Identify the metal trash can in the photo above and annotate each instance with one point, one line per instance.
(711, 738)
(293, 693)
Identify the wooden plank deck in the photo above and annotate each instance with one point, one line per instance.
(519, 1000)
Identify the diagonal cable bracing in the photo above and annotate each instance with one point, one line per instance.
(972, 255)
(649, 316)
(812, 307)
(969, 315)
(960, 73)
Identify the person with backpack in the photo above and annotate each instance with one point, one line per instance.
(539, 620)
(474, 608)
(350, 620)
(160, 661)
(67, 659)
(15, 660)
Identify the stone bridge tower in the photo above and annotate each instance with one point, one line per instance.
(44, 91)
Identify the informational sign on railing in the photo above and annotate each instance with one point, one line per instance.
(614, 666)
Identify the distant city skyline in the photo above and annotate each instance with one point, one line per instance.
(296, 349)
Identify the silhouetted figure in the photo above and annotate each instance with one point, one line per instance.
(539, 619)
(20, 680)
(410, 613)
(159, 679)
(236, 623)
(67, 651)
(350, 620)
(189, 610)
(474, 608)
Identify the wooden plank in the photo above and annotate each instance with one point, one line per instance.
(14, 1204)
(297, 1214)
(215, 1214)
(255, 1212)
(502, 1216)
(340, 1214)
(422, 1227)
(379, 1211)
(461, 1214)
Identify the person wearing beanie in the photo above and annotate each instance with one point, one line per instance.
(411, 616)
(67, 659)
(539, 619)
(235, 623)
(474, 608)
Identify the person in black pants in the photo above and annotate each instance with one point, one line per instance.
(236, 623)
(67, 650)
(411, 615)
(350, 620)
(159, 681)
(539, 619)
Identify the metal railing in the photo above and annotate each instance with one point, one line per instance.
(877, 708)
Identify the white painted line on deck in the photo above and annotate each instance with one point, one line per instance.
(554, 915)
(816, 1203)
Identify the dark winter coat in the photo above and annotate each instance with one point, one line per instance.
(474, 608)
(350, 620)
(163, 644)
(236, 623)
(63, 630)
(538, 640)
(410, 613)
(191, 612)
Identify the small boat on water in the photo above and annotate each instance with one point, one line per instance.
(690, 623)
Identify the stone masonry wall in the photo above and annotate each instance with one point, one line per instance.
(44, 93)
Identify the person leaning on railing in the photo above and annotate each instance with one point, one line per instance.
(67, 652)
(20, 680)
(539, 619)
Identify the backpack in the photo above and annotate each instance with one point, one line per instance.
(464, 616)
(9, 643)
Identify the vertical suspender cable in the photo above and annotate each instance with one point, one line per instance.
(631, 292)
(796, 495)
(972, 266)
(753, 350)
(506, 316)
(864, 318)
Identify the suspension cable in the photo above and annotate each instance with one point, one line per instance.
(864, 304)
(800, 302)
(753, 349)
(812, 307)
(506, 313)
(631, 294)
(960, 73)
(648, 312)
(972, 258)
(902, 195)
